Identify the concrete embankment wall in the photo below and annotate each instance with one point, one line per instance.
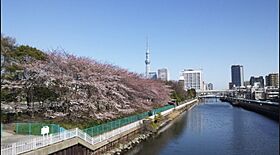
(185, 104)
(269, 110)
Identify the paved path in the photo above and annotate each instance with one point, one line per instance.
(9, 137)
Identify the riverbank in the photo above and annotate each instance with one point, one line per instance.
(268, 109)
(122, 138)
(145, 134)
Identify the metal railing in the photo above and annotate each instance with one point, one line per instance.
(35, 143)
(105, 127)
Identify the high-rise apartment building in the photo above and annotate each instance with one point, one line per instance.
(237, 75)
(272, 80)
(257, 79)
(163, 74)
(192, 79)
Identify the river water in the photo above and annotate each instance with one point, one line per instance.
(214, 127)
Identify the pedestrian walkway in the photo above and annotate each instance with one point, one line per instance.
(9, 137)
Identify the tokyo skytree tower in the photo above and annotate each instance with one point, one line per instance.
(147, 61)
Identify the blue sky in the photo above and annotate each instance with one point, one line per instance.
(207, 34)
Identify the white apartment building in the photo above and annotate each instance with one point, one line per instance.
(192, 79)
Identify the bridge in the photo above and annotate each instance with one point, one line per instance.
(214, 91)
(209, 96)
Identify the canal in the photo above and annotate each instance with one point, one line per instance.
(214, 127)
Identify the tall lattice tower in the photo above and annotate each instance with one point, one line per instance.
(147, 61)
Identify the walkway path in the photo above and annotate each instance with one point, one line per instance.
(9, 137)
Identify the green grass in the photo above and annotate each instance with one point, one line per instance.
(71, 124)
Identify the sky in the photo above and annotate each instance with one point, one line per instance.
(183, 34)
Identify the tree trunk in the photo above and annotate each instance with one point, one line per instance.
(32, 114)
(31, 99)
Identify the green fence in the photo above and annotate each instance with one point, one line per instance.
(158, 110)
(99, 129)
(35, 128)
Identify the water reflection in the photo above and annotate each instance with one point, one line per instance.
(154, 145)
(196, 121)
(178, 127)
(214, 127)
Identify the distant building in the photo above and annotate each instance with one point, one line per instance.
(230, 85)
(237, 75)
(257, 79)
(153, 75)
(240, 92)
(210, 86)
(181, 82)
(272, 93)
(258, 94)
(192, 79)
(256, 85)
(163, 74)
(272, 80)
(246, 83)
